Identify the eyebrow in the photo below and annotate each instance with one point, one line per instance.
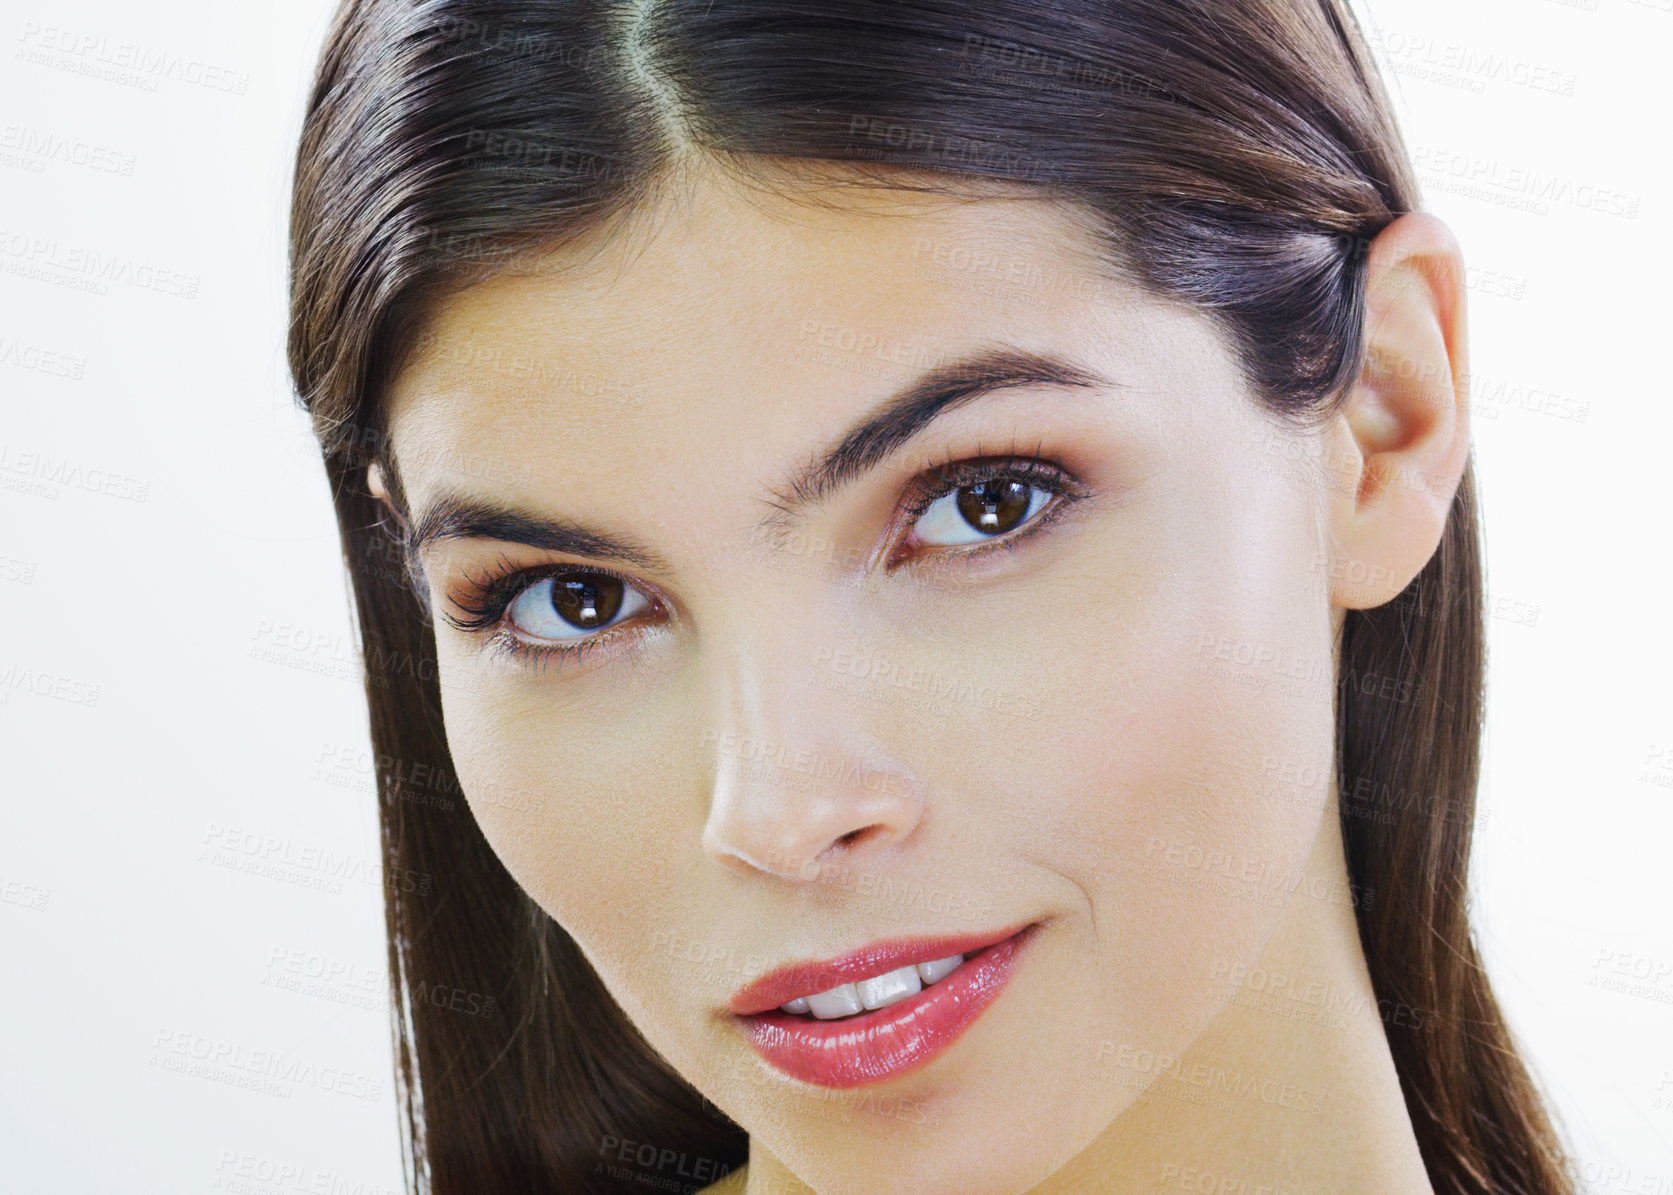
(934, 393)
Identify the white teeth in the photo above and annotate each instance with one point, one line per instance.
(938, 970)
(879, 991)
(883, 990)
(841, 1001)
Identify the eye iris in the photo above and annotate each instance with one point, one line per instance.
(997, 505)
(587, 602)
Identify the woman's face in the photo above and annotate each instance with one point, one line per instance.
(810, 717)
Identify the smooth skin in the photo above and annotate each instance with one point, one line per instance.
(1123, 728)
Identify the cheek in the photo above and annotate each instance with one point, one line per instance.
(1178, 684)
(560, 792)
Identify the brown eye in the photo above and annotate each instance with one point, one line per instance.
(994, 506)
(978, 511)
(570, 604)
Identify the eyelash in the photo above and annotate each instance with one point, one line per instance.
(489, 594)
(954, 472)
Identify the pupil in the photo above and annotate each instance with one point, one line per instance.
(587, 603)
(994, 505)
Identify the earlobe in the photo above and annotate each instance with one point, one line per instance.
(386, 490)
(1401, 437)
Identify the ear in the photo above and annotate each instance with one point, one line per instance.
(386, 489)
(384, 484)
(1400, 442)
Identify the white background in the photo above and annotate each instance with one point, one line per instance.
(194, 622)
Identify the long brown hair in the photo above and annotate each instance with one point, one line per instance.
(1236, 154)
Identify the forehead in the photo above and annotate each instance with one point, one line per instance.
(721, 311)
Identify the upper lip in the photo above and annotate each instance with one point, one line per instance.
(818, 975)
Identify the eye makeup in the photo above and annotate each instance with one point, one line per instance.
(955, 472)
(481, 601)
(484, 600)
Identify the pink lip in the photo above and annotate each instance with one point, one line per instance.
(820, 975)
(875, 1046)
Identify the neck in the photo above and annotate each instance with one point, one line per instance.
(1290, 1089)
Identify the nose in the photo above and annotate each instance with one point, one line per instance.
(799, 784)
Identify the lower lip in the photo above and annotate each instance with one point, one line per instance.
(879, 1045)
